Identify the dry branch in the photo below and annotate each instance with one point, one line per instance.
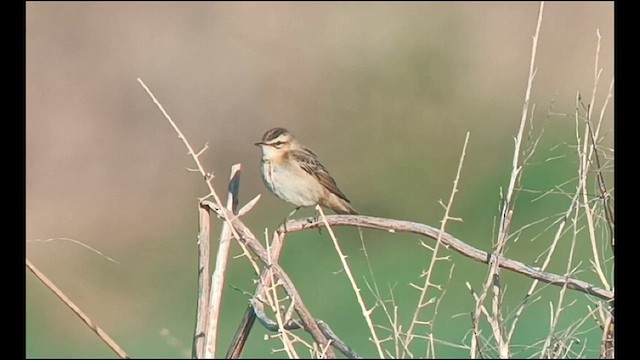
(294, 325)
(246, 237)
(453, 243)
(203, 283)
(242, 334)
(608, 349)
(434, 257)
(249, 317)
(343, 259)
(203, 253)
(217, 279)
(585, 156)
(507, 212)
(404, 226)
(96, 329)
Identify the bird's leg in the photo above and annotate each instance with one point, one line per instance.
(317, 220)
(284, 223)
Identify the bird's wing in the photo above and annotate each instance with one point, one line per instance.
(308, 161)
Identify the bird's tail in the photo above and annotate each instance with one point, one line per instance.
(340, 206)
(348, 209)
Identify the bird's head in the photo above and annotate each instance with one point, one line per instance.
(276, 141)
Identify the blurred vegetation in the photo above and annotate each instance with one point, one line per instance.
(384, 94)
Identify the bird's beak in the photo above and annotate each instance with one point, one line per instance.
(259, 143)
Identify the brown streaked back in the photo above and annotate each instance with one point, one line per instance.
(309, 162)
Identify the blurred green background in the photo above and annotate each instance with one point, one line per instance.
(384, 93)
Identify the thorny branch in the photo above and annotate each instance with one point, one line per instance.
(453, 243)
(403, 226)
(294, 325)
(245, 236)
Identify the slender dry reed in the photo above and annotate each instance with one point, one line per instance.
(71, 305)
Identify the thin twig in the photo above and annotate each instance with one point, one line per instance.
(602, 186)
(96, 329)
(207, 177)
(475, 350)
(75, 242)
(544, 353)
(283, 333)
(516, 174)
(395, 330)
(237, 345)
(427, 277)
(517, 168)
(274, 301)
(365, 312)
(493, 279)
(585, 161)
(547, 260)
(432, 339)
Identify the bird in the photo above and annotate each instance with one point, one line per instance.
(294, 174)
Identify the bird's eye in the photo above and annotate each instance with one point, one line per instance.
(277, 143)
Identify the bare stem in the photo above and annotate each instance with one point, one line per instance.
(203, 283)
(249, 317)
(427, 277)
(246, 237)
(365, 312)
(224, 214)
(193, 154)
(585, 157)
(217, 280)
(96, 329)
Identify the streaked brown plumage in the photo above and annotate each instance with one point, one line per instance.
(294, 173)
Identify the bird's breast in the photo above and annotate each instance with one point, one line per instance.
(292, 184)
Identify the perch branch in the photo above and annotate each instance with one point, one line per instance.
(455, 244)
